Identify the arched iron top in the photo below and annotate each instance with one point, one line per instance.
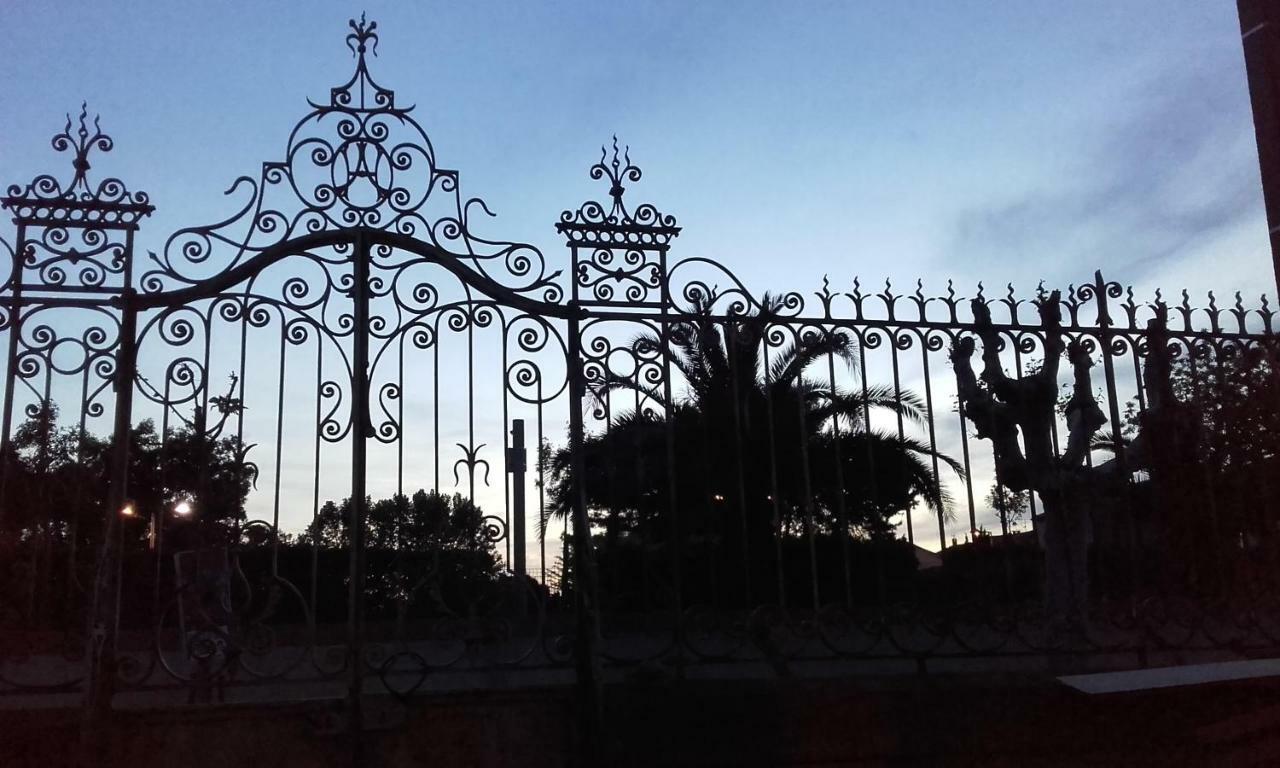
(351, 237)
(357, 161)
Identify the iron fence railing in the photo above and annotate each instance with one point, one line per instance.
(320, 442)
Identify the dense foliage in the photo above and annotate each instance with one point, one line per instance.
(766, 451)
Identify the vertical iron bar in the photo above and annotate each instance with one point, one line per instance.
(933, 440)
(275, 505)
(968, 471)
(1106, 335)
(11, 366)
(842, 513)
(400, 416)
(315, 480)
(773, 471)
(732, 334)
(507, 469)
(516, 464)
(542, 499)
(360, 430)
(673, 503)
(435, 403)
(871, 463)
(897, 396)
(805, 478)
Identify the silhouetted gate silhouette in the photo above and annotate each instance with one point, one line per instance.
(739, 462)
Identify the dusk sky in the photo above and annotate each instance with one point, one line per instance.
(1014, 141)
(1002, 141)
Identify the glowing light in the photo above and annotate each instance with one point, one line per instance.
(182, 508)
(128, 511)
(718, 497)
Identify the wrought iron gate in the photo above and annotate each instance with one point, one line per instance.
(741, 464)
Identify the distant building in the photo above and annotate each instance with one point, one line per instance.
(925, 559)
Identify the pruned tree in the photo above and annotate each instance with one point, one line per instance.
(1004, 409)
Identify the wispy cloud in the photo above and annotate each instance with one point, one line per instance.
(1173, 170)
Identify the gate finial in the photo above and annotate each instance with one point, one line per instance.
(591, 220)
(362, 33)
(46, 199)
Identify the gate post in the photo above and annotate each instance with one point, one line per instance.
(618, 258)
(104, 616)
(360, 430)
(586, 647)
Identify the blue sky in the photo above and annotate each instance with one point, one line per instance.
(1013, 141)
(1004, 141)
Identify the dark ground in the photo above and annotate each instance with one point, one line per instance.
(925, 720)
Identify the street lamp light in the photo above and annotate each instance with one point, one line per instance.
(182, 508)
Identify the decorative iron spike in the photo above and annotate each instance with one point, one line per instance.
(616, 163)
(81, 145)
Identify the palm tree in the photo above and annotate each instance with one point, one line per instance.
(764, 452)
